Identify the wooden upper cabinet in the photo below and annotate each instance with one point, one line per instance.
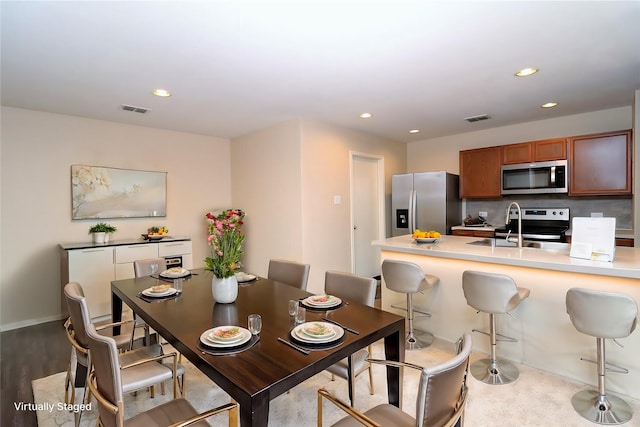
(535, 151)
(480, 172)
(600, 164)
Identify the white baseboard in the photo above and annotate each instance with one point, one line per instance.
(31, 322)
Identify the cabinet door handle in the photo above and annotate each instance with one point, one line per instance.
(92, 250)
(174, 244)
(137, 247)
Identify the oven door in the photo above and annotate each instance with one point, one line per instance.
(535, 178)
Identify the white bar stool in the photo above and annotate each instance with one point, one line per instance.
(494, 294)
(602, 315)
(408, 278)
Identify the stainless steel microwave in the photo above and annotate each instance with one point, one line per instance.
(535, 178)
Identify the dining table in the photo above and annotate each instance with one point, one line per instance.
(269, 367)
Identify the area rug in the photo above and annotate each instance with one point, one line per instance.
(537, 398)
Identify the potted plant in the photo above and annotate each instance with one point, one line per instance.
(101, 231)
(225, 239)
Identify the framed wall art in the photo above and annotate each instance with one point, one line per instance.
(103, 192)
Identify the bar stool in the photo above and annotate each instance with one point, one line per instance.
(493, 294)
(602, 315)
(408, 278)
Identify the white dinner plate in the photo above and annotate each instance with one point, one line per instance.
(175, 272)
(303, 337)
(155, 294)
(204, 339)
(317, 301)
(426, 239)
(221, 334)
(244, 277)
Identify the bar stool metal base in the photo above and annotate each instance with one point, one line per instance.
(608, 410)
(417, 340)
(494, 372)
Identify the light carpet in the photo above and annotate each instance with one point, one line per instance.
(537, 398)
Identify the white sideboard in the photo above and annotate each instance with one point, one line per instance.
(95, 266)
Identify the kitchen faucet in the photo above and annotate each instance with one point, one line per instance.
(507, 220)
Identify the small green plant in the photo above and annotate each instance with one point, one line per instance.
(102, 227)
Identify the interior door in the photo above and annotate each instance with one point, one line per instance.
(365, 196)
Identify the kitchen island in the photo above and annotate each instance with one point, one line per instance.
(547, 339)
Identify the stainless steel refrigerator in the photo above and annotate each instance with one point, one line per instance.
(425, 201)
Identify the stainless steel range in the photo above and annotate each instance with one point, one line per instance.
(538, 225)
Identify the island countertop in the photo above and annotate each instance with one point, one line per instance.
(626, 262)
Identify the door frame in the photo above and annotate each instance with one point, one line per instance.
(381, 198)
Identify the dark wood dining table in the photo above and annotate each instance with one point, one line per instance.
(269, 368)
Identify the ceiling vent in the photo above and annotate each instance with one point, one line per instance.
(478, 118)
(131, 108)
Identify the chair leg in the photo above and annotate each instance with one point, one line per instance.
(371, 391)
(597, 406)
(493, 371)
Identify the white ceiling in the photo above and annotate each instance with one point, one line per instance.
(235, 67)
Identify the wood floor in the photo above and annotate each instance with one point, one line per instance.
(28, 354)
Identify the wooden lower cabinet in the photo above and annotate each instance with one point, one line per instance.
(473, 233)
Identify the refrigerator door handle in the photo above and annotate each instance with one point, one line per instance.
(412, 211)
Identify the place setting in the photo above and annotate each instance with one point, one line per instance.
(160, 292)
(245, 278)
(317, 335)
(322, 302)
(173, 273)
(230, 339)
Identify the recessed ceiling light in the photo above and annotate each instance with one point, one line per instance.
(414, 131)
(366, 115)
(549, 105)
(162, 93)
(526, 72)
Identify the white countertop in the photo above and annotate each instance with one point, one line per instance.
(626, 262)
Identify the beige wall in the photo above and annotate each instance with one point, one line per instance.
(636, 177)
(285, 178)
(442, 153)
(325, 174)
(266, 184)
(38, 150)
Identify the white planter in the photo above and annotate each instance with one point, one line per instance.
(224, 290)
(100, 237)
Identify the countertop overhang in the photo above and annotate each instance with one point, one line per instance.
(89, 245)
(626, 261)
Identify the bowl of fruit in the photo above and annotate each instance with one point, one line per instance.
(155, 233)
(430, 236)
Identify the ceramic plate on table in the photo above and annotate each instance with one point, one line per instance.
(322, 301)
(244, 277)
(317, 332)
(426, 239)
(158, 293)
(225, 336)
(175, 272)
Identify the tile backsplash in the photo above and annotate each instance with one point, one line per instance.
(619, 208)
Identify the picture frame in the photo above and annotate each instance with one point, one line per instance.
(107, 192)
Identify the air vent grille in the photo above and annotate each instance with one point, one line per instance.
(477, 118)
(141, 110)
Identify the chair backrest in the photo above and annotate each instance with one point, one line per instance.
(78, 312)
(146, 267)
(104, 356)
(443, 388)
(288, 272)
(351, 287)
(403, 276)
(602, 314)
(490, 292)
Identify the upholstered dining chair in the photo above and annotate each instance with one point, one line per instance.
(134, 379)
(361, 290)
(79, 351)
(440, 401)
(289, 272)
(106, 383)
(141, 268)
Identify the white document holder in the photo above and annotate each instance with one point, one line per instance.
(593, 238)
